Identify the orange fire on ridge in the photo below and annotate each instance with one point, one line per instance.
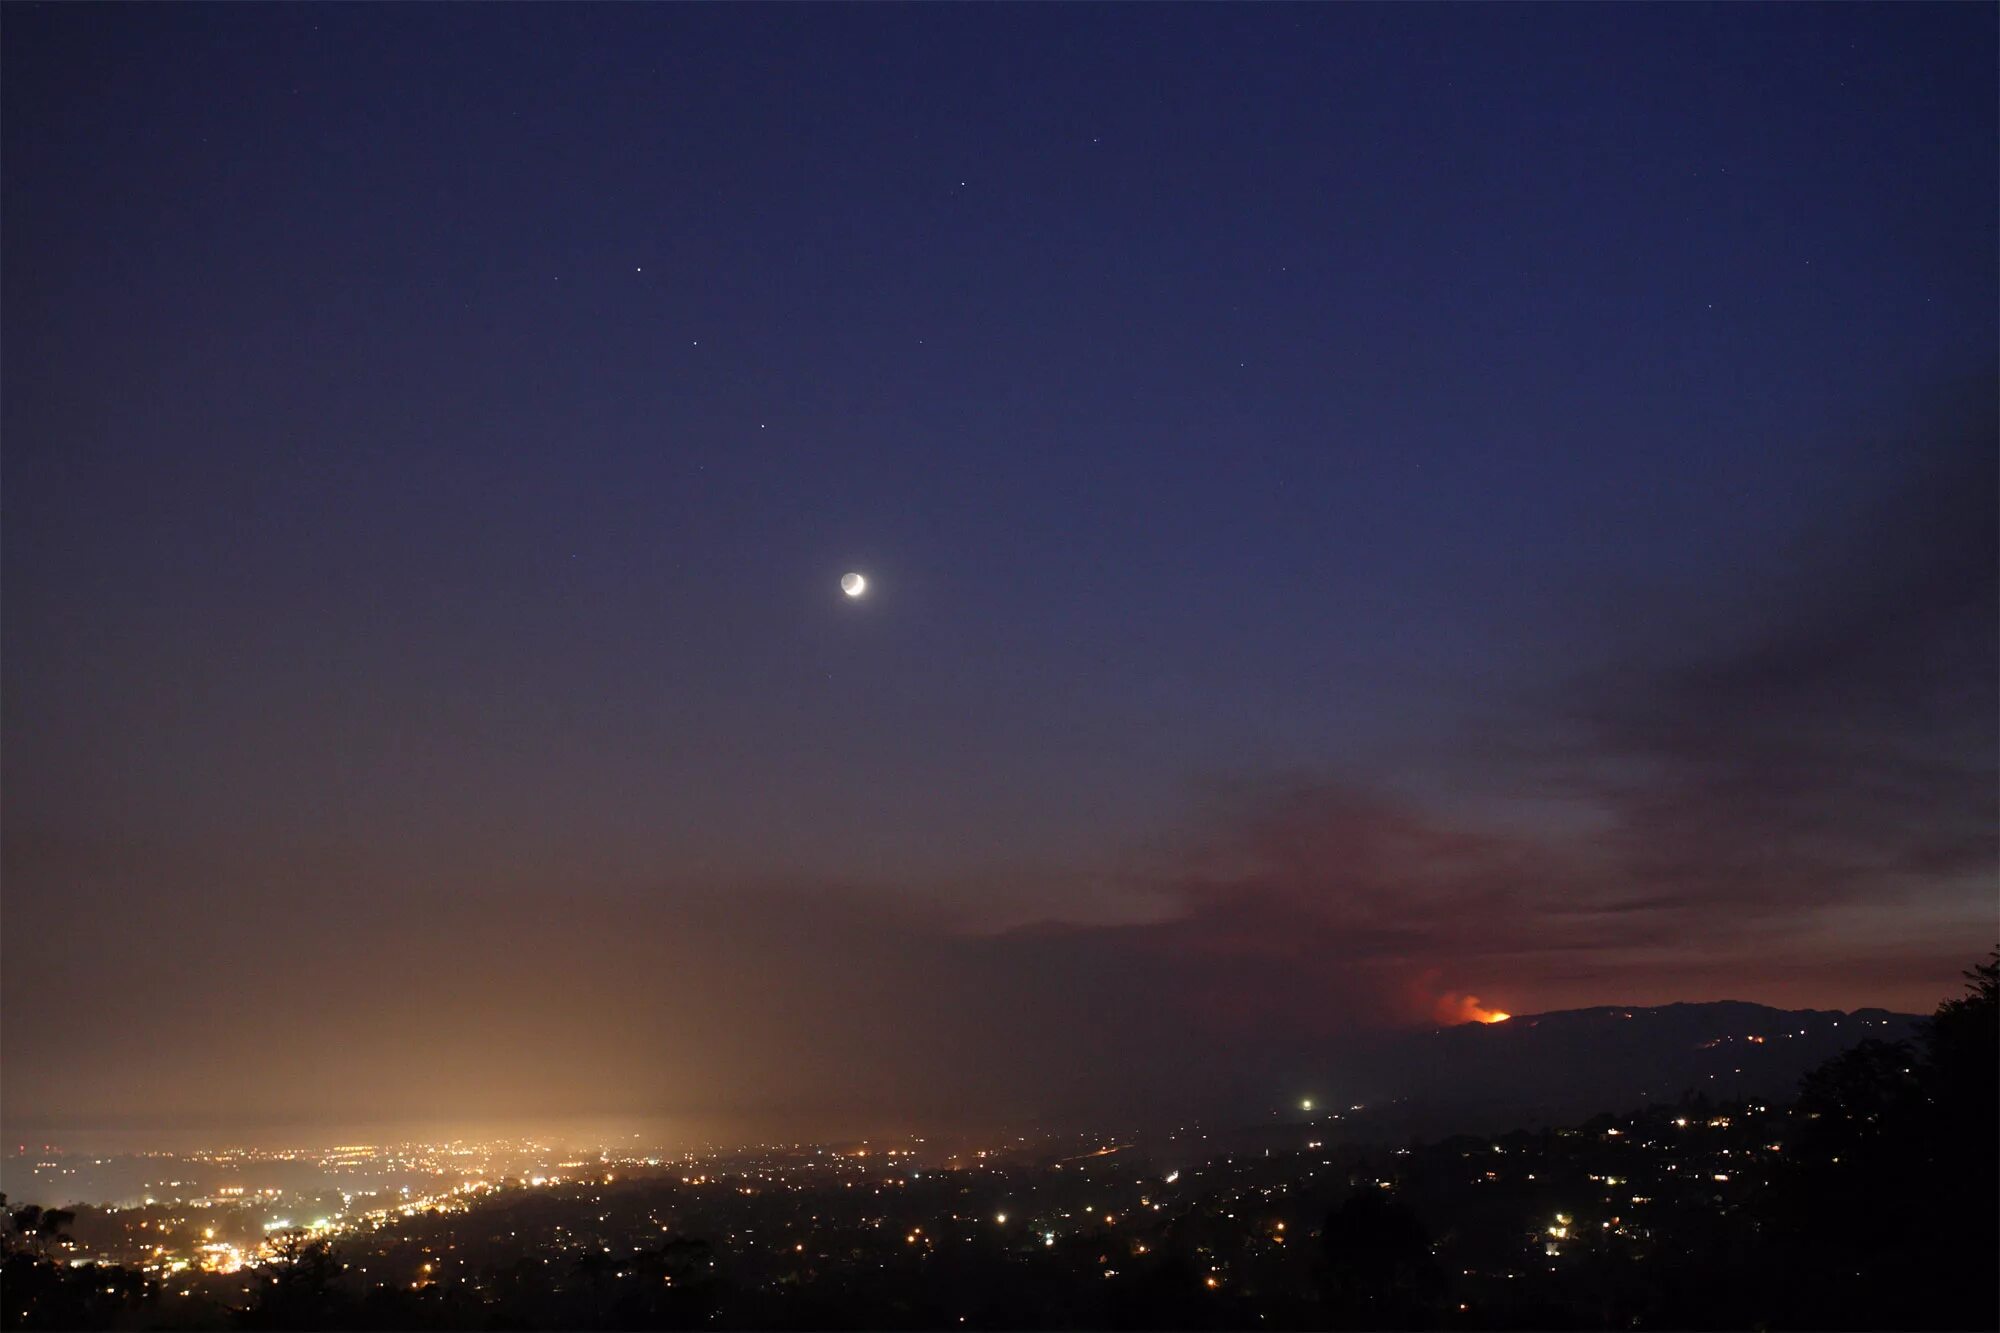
(1456, 1008)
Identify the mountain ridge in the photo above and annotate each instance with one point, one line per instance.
(1565, 1065)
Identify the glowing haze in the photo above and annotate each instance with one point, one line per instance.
(1387, 517)
(1455, 1008)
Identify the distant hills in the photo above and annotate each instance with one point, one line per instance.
(1567, 1065)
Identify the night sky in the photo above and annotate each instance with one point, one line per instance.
(1364, 507)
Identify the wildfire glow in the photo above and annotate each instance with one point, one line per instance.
(1456, 1008)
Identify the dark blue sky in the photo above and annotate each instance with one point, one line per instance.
(433, 436)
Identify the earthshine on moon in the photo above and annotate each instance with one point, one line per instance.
(853, 584)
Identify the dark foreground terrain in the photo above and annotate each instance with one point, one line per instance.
(1865, 1200)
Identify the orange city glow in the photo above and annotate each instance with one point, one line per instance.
(1456, 1008)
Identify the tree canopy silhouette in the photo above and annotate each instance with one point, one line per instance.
(1885, 1217)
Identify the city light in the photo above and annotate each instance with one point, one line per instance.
(839, 1208)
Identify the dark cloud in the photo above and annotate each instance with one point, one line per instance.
(1837, 737)
(1815, 742)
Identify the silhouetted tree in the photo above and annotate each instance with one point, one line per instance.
(38, 1229)
(1961, 1045)
(39, 1292)
(298, 1287)
(1379, 1269)
(1885, 1214)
